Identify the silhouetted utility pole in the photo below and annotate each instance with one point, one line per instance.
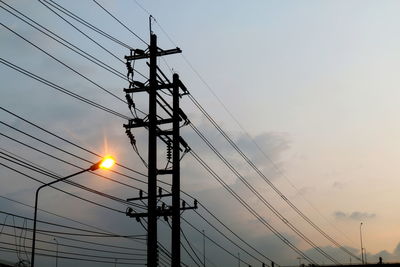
(157, 127)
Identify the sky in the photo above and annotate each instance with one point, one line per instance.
(306, 89)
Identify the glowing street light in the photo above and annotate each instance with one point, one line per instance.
(106, 163)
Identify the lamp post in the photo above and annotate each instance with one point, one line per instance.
(105, 163)
(362, 254)
(56, 251)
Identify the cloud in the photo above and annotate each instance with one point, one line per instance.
(355, 215)
(338, 185)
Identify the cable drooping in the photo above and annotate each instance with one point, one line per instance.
(261, 198)
(249, 208)
(123, 25)
(61, 89)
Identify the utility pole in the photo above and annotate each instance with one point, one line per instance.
(156, 125)
(152, 157)
(176, 179)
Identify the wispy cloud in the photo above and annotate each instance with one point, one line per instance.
(355, 215)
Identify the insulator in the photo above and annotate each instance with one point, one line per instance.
(129, 66)
(169, 151)
(159, 191)
(183, 204)
(130, 136)
(130, 101)
(195, 203)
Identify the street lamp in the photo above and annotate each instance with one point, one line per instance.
(362, 254)
(105, 163)
(56, 251)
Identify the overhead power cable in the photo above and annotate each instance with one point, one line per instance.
(249, 208)
(78, 222)
(67, 227)
(65, 140)
(46, 4)
(54, 157)
(67, 233)
(61, 89)
(68, 193)
(261, 198)
(84, 22)
(4, 249)
(79, 247)
(122, 24)
(215, 243)
(238, 123)
(59, 149)
(258, 171)
(60, 39)
(46, 173)
(64, 64)
(59, 159)
(69, 142)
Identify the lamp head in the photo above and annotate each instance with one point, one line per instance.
(106, 163)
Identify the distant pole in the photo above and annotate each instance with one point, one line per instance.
(204, 249)
(56, 251)
(362, 254)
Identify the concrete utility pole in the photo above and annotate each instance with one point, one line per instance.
(156, 126)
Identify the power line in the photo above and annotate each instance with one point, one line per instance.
(65, 65)
(76, 28)
(84, 22)
(28, 166)
(59, 159)
(298, 211)
(75, 221)
(215, 243)
(61, 89)
(68, 193)
(66, 226)
(260, 197)
(67, 141)
(248, 207)
(4, 249)
(238, 123)
(61, 138)
(47, 154)
(123, 25)
(68, 233)
(191, 248)
(80, 247)
(63, 41)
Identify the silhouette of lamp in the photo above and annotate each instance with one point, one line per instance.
(105, 163)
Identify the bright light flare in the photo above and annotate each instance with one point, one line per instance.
(107, 162)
